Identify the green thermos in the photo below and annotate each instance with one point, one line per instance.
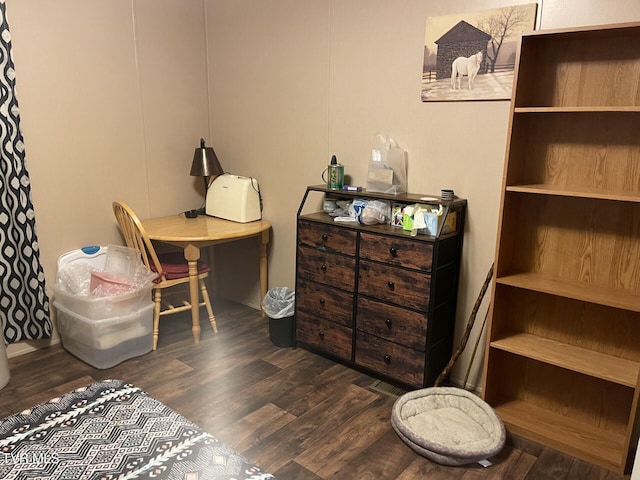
(335, 174)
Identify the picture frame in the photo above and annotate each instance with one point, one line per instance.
(471, 56)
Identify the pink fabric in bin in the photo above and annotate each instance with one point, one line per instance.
(109, 284)
(175, 266)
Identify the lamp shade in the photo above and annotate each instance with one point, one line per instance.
(205, 163)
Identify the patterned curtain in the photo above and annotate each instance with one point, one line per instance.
(24, 304)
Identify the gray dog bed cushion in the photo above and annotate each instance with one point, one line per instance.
(448, 425)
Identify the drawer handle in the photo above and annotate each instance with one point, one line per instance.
(387, 359)
(390, 285)
(322, 302)
(325, 237)
(388, 323)
(321, 334)
(323, 268)
(393, 251)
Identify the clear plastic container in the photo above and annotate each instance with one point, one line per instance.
(106, 342)
(97, 308)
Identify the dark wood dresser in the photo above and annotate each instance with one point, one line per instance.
(375, 297)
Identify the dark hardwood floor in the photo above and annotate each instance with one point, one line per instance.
(296, 414)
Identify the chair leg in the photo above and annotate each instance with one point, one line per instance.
(157, 298)
(207, 303)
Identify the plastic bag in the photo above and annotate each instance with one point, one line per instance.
(387, 167)
(279, 302)
(75, 278)
(370, 212)
(376, 211)
(123, 273)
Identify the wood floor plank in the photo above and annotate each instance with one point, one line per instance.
(156, 379)
(29, 398)
(217, 396)
(423, 468)
(510, 463)
(256, 426)
(268, 389)
(316, 389)
(276, 405)
(386, 457)
(582, 469)
(329, 454)
(286, 357)
(309, 429)
(550, 464)
(294, 471)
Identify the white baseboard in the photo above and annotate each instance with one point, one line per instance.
(28, 346)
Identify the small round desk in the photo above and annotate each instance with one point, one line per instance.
(192, 234)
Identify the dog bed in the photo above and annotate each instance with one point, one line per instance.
(448, 425)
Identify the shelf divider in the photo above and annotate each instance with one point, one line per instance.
(599, 294)
(595, 193)
(578, 109)
(588, 362)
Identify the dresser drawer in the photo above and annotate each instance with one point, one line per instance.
(325, 302)
(328, 336)
(327, 237)
(328, 268)
(390, 359)
(400, 286)
(396, 251)
(396, 324)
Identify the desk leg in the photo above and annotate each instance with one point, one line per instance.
(264, 278)
(192, 254)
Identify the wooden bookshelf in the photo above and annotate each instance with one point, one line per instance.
(563, 351)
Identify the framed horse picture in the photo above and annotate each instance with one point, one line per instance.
(471, 56)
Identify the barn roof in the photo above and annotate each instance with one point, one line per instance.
(463, 32)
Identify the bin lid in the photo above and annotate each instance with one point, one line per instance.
(93, 255)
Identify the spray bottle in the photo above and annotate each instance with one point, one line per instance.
(335, 174)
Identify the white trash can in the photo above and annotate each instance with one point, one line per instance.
(5, 374)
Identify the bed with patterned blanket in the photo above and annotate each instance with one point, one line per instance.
(113, 430)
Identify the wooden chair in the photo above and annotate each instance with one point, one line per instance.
(172, 268)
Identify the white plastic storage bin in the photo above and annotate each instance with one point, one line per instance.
(96, 308)
(106, 342)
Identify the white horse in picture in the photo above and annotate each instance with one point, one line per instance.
(468, 66)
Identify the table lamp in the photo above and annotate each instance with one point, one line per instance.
(205, 164)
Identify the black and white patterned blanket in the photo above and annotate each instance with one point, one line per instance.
(113, 430)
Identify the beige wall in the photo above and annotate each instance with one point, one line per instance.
(115, 95)
(293, 82)
(113, 100)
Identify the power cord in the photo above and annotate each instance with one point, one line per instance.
(259, 193)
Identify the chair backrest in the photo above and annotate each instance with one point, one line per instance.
(136, 237)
